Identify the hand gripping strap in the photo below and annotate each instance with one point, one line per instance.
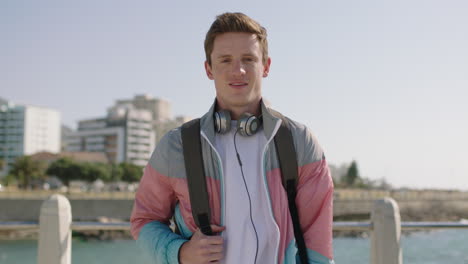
(196, 175)
(288, 164)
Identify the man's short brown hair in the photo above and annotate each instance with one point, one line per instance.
(235, 22)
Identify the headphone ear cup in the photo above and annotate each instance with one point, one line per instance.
(248, 124)
(222, 121)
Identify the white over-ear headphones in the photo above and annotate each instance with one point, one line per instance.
(247, 124)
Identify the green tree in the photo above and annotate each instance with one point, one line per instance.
(25, 170)
(65, 169)
(130, 172)
(10, 180)
(352, 175)
(116, 172)
(94, 171)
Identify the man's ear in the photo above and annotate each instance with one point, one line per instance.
(266, 67)
(208, 71)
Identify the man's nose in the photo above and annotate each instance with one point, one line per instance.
(238, 68)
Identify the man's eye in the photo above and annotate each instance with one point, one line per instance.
(249, 59)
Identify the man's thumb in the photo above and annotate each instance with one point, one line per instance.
(217, 229)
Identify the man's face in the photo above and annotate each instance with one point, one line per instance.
(237, 70)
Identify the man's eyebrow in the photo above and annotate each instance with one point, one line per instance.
(252, 55)
(223, 56)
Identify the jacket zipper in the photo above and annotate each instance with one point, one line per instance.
(278, 123)
(220, 165)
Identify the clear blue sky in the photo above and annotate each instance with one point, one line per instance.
(381, 82)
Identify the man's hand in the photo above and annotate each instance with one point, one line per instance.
(202, 249)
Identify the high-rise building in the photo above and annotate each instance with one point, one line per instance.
(125, 135)
(65, 130)
(160, 109)
(26, 129)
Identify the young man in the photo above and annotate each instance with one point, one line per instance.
(249, 207)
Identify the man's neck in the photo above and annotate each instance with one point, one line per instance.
(237, 112)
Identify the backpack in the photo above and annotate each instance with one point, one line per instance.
(196, 181)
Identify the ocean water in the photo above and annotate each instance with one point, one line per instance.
(435, 247)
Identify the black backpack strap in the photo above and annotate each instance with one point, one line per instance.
(288, 164)
(196, 175)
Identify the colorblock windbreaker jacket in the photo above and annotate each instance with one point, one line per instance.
(163, 193)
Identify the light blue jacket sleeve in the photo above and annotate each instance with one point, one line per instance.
(317, 258)
(159, 243)
(292, 256)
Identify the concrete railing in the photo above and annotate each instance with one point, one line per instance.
(385, 238)
(55, 226)
(54, 231)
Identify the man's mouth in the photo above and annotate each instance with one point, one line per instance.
(238, 84)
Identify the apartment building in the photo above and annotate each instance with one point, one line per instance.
(160, 109)
(162, 120)
(26, 129)
(124, 135)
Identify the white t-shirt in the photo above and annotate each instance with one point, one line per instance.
(239, 237)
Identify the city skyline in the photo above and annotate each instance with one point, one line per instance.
(381, 83)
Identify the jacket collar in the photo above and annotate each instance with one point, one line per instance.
(270, 119)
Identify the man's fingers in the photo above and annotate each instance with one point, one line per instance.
(207, 240)
(215, 257)
(215, 249)
(214, 228)
(215, 240)
(202, 248)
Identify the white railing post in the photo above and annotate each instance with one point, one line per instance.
(385, 236)
(54, 231)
